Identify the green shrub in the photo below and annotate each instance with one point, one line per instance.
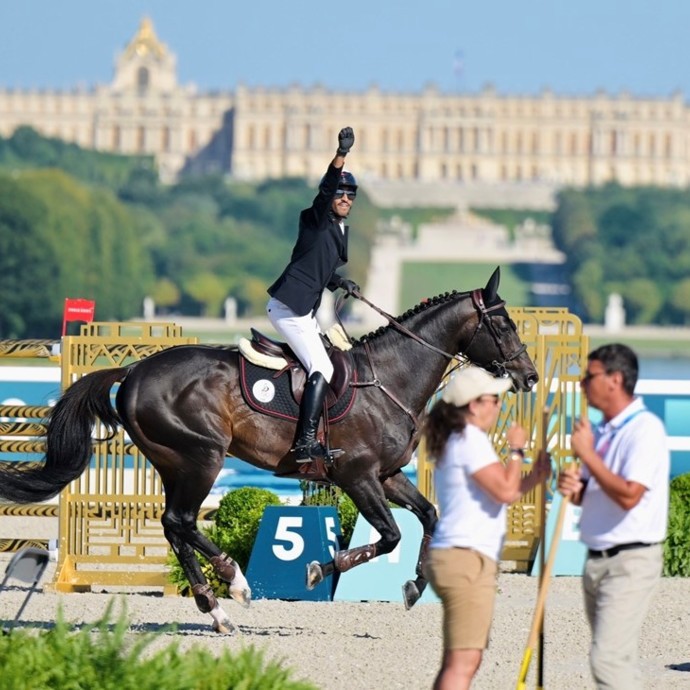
(234, 530)
(237, 521)
(677, 544)
(108, 656)
(347, 511)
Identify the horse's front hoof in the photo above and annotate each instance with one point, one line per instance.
(411, 594)
(242, 595)
(224, 627)
(314, 575)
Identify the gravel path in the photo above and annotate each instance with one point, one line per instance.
(376, 645)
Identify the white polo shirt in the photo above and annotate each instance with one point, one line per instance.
(469, 517)
(633, 445)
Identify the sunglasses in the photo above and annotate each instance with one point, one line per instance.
(349, 193)
(592, 375)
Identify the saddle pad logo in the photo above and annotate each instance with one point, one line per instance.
(270, 393)
(263, 390)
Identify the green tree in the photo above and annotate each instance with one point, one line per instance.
(573, 222)
(642, 299)
(26, 263)
(680, 300)
(165, 293)
(209, 290)
(587, 287)
(630, 240)
(61, 239)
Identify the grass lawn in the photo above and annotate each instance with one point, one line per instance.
(420, 280)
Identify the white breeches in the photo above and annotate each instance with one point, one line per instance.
(303, 335)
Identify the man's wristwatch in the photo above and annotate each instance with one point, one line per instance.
(516, 454)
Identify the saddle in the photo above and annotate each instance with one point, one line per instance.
(273, 354)
(272, 382)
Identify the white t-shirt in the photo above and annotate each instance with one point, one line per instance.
(469, 517)
(633, 445)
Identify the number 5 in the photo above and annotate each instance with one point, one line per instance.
(285, 531)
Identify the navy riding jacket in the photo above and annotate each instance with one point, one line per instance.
(320, 249)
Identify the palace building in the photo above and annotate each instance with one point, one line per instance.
(431, 137)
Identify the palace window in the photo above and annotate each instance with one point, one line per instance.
(165, 139)
(143, 78)
(141, 139)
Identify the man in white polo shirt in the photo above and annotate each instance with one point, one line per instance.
(622, 486)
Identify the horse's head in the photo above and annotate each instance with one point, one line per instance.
(495, 343)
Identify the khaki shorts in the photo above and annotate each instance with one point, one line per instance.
(465, 581)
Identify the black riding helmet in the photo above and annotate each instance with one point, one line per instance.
(347, 181)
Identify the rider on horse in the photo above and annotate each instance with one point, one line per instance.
(320, 249)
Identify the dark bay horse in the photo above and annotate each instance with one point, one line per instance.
(184, 409)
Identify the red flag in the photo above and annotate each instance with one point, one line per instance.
(77, 310)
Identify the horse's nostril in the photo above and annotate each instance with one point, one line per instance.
(532, 380)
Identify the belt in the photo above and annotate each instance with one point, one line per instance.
(615, 550)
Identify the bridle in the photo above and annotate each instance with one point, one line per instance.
(461, 359)
(484, 318)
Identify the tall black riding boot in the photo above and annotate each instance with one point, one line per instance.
(307, 447)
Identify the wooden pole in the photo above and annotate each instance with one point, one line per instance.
(542, 551)
(541, 598)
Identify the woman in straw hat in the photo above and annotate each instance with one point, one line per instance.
(473, 488)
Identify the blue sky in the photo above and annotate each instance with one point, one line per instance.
(573, 47)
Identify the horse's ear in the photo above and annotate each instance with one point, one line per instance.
(491, 289)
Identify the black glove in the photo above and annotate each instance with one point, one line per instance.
(346, 139)
(349, 286)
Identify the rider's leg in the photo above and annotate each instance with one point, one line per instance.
(307, 447)
(303, 335)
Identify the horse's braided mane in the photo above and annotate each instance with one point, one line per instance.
(417, 309)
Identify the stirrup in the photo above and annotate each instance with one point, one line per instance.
(328, 455)
(309, 451)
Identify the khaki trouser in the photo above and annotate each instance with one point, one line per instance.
(617, 592)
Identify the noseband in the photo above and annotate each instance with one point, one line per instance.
(485, 318)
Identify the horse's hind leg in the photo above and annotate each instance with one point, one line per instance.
(368, 496)
(184, 494)
(180, 524)
(404, 493)
(181, 531)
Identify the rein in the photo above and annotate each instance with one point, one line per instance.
(399, 327)
(484, 318)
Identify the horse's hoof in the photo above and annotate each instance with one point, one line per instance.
(242, 595)
(314, 575)
(411, 594)
(225, 627)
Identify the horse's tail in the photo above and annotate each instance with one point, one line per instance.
(68, 439)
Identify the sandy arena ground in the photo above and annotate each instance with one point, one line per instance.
(377, 645)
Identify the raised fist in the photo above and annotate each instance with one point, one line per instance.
(346, 139)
